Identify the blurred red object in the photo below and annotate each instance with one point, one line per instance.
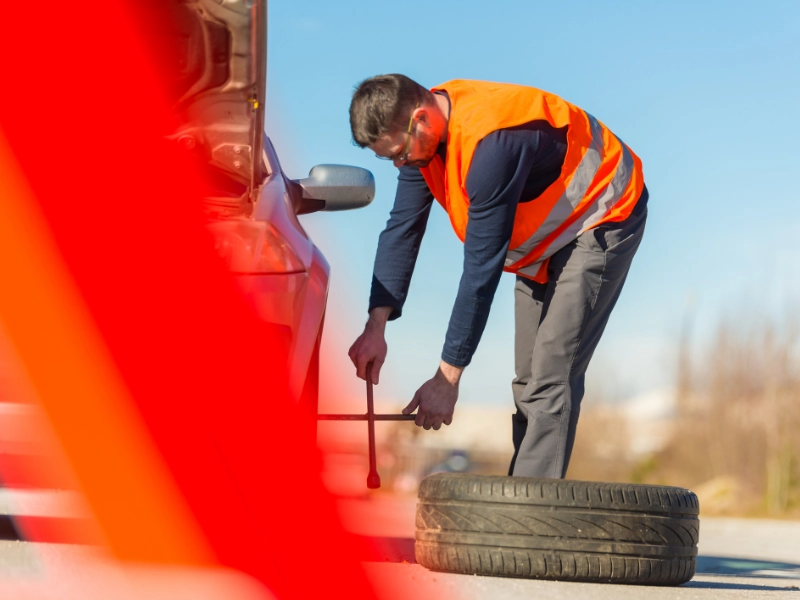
(188, 374)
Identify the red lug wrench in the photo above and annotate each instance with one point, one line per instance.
(373, 479)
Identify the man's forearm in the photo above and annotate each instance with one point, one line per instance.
(378, 317)
(450, 372)
(495, 184)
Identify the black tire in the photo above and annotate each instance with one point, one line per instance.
(557, 529)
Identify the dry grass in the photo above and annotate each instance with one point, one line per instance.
(737, 431)
(739, 411)
(601, 446)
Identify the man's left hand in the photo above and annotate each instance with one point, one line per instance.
(437, 397)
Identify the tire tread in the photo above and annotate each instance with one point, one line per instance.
(563, 566)
(557, 529)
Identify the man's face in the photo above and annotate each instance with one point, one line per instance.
(415, 149)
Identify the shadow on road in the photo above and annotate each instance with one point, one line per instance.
(724, 585)
(746, 567)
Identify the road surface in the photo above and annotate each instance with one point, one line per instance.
(738, 559)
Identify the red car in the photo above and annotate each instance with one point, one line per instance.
(218, 53)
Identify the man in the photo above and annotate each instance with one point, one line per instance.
(533, 185)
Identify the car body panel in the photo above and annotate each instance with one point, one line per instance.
(217, 50)
(294, 300)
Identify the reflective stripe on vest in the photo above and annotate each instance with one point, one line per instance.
(600, 181)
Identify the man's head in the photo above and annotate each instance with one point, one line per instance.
(398, 119)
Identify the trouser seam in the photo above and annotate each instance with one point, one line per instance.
(588, 317)
(565, 416)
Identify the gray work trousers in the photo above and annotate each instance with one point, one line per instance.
(558, 326)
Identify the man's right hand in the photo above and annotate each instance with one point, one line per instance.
(370, 347)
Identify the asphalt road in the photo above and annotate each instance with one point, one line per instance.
(738, 558)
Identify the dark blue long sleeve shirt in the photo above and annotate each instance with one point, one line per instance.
(509, 166)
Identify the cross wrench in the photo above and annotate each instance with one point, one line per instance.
(373, 479)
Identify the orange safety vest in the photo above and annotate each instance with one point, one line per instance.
(601, 178)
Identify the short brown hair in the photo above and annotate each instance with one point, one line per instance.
(383, 103)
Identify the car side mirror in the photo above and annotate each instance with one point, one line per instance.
(335, 187)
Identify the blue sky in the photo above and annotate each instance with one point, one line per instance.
(706, 93)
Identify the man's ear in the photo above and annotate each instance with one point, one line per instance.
(422, 114)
